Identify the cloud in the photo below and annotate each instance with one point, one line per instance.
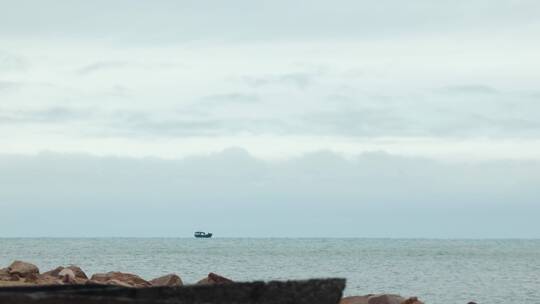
(167, 22)
(473, 112)
(155, 126)
(11, 62)
(9, 85)
(298, 80)
(374, 194)
(105, 66)
(100, 66)
(227, 99)
(46, 115)
(467, 111)
(471, 89)
(140, 124)
(385, 73)
(364, 122)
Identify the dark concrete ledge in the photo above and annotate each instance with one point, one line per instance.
(323, 291)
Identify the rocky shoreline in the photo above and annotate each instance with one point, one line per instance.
(21, 273)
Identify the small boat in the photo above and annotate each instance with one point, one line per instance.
(201, 234)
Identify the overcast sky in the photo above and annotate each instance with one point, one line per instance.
(277, 118)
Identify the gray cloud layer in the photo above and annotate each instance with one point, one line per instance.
(358, 69)
(184, 21)
(468, 111)
(234, 194)
(45, 116)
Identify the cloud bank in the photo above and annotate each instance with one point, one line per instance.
(234, 194)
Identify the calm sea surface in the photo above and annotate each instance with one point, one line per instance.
(439, 271)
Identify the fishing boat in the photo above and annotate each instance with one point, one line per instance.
(201, 234)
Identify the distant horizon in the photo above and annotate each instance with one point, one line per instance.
(280, 237)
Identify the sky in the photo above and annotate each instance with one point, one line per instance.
(270, 118)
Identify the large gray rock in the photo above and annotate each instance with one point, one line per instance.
(326, 291)
(23, 269)
(171, 280)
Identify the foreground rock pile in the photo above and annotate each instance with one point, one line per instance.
(23, 273)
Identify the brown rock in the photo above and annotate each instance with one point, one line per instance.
(54, 272)
(170, 280)
(31, 278)
(120, 279)
(385, 299)
(354, 300)
(213, 278)
(412, 300)
(14, 277)
(46, 279)
(120, 283)
(79, 273)
(22, 269)
(392, 299)
(4, 274)
(380, 299)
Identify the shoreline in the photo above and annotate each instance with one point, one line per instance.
(20, 273)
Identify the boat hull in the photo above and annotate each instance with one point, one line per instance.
(203, 236)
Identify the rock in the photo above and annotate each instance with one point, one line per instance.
(167, 280)
(112, 282)
(22, 269)
(412, 300)
(385, 299)
(380, 299)
(67, 276)
(14, 277)
(354, 300)
(327, 291)
(120, 279)
(54, 272)
(46, 279)
(4, 275)
(213, 278)
(118, 283)
(31, 278)
(79, 273)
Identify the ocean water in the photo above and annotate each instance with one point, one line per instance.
(438, 271)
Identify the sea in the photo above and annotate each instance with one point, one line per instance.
(437, 271)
